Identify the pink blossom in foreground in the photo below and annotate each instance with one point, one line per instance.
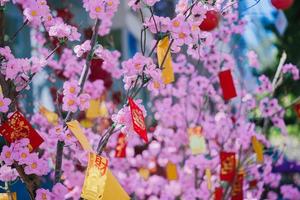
(83, 48)
(7, 155)
(4, 104)
(290, 68)
(7, 173)
(43, 194)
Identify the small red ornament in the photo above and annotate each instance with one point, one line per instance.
(138, 120)
(282, 4)
(17, 127)
(228, 166)
(227, 85)
(211, 21)
(121, 146)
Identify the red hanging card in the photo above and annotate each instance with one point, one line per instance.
(297, 109)
(218, 193)
(17, 127)
(227, 166)
(138, 120)
(237, 189)
(227, 85)
(121, 146)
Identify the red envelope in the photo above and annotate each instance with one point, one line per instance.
(237, 189)
(17, 127)
(227, 85)
(138, 120)
(297, 109)
(218, 193)
(121, 146)
(227, 166)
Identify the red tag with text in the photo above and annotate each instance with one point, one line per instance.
(121, 146)
(138, 120)
(227, 84)
(237, 189)
(17, 127)
(227, 166)
(218, 193)
(297, 109)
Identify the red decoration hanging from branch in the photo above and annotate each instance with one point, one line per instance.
(121, 146)
(138, 120)
(228, 163)
(227, 84)
(17, 127)
(282, 4)
(211, 21)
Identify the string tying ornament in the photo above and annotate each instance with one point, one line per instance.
(211, 21)
(282, 4)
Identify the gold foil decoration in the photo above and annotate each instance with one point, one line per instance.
(74, 127)
(113, 190)
(95, 178)
(167, 68)
(100, 183)
(258, 149)
(144, 173)
(208, 178)
(171, 170)
(52, 117)
(94, 110)
(8, 196)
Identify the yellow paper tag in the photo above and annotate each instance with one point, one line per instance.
(8, 196)
(95, 178)
(167, 71)
(258, 149)
(103, 109)
(74, 126)
(94, 110)
(86, 123)
(144, 173)
(113, 190)
(171, 170)
(100, 183)
(52, 117)
(208, 178)
(196, 140)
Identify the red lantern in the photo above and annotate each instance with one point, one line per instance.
(282, 4)
(211, 21)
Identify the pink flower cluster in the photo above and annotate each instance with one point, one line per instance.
(58, 192)
(135, 5)
(8, 174)
(2, 2)
(19, 69)
(94, 89)
(83, 48)
(123, 117)
(103, 10)
(19, 152)
(4, 103)
(62, 31)
(265, 85)
(71, 100)
(110, 61)
(290, 68)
